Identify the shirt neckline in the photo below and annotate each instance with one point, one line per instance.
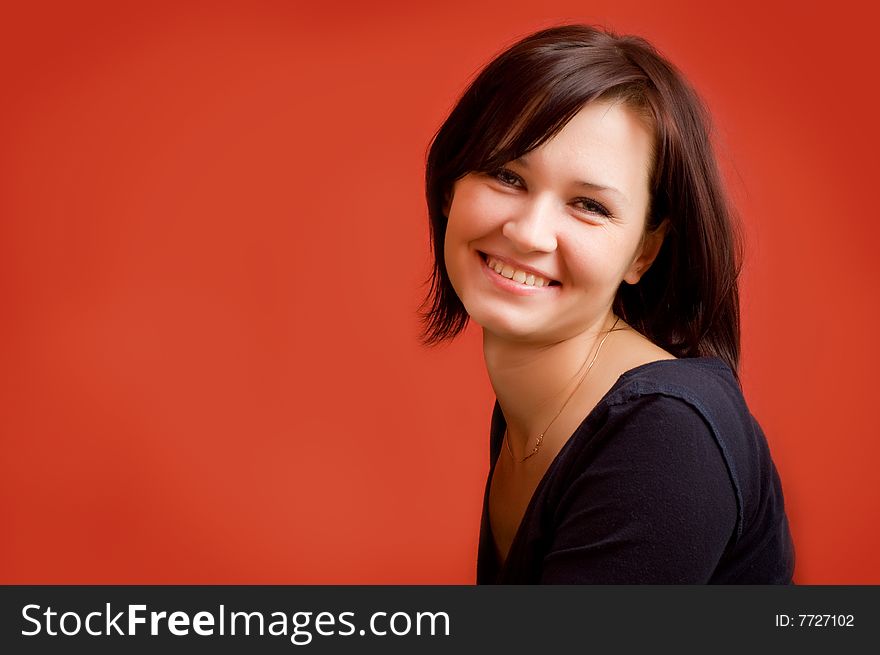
(501, 570)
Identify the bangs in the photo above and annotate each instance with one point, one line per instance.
(520, 128)
(511, 127)
(524, 103)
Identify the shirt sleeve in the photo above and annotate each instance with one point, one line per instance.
(653, 502)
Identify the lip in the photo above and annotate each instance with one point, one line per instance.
(509, 285)
(517, 265)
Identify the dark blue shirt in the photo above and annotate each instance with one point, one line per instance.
(668, 480)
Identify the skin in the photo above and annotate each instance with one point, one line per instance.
(537, 346)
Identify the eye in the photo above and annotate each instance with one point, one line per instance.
(592, 207)
(506, 176)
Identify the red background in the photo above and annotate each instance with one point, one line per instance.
(212, 244)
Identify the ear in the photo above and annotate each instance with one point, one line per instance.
(647, 252)
(447, 202)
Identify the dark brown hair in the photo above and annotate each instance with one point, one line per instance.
(688, 300)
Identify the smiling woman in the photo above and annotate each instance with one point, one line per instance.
(531, 215)
(578, 216)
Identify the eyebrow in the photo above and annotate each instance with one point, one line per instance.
(589, 185)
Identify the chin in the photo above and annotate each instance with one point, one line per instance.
(516, 328)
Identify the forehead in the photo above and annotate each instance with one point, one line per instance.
(607, 143)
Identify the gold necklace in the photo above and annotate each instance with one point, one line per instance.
(577, 386)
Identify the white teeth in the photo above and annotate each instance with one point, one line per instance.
(511, 273)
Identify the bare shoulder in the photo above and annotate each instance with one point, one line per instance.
(624, 350)
(631, 349)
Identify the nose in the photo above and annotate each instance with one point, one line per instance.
(532, 228)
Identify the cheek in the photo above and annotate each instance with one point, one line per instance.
(463, 226)
(596, 257)
(474, 213)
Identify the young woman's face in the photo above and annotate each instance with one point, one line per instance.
(546, 215)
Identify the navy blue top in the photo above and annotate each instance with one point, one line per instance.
(668, 480)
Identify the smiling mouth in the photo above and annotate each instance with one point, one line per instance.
(526, 278)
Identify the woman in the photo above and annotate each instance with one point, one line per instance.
(578, 216)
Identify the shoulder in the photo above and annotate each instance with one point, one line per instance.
(664, 407)
(696, 397)
(655, 427)
(706, 385)
(686, 377)
(686, 417)
(646, 495)
(667, 414)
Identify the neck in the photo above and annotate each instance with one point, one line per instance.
(533, 380)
